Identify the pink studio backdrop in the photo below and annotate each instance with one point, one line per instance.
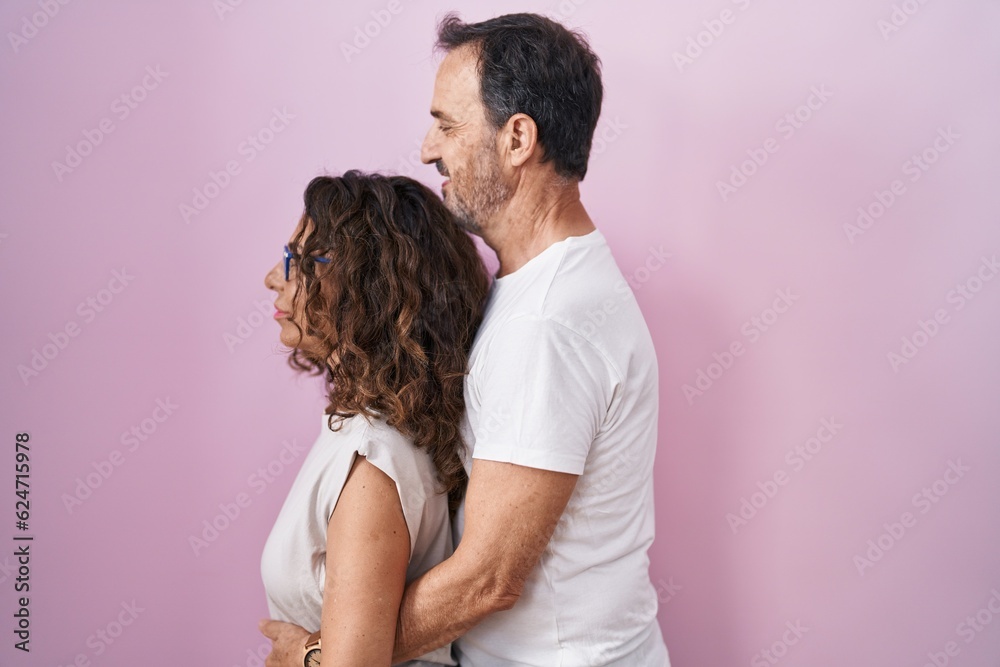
(802, 194)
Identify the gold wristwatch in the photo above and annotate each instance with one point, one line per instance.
(311, 652)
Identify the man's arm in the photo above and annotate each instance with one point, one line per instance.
(511, 512)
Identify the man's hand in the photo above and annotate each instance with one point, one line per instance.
(287, 641)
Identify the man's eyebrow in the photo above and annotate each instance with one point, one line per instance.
(440, 115)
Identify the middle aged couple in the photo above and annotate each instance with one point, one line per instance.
(481, 492)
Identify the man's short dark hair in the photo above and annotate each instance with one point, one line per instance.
(533, 65)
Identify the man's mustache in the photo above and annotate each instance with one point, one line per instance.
(440, 167)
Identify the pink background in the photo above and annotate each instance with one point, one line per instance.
(669, 134)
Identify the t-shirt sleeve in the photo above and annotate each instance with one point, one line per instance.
(545, 391)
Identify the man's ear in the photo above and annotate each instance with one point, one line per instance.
(518, 139)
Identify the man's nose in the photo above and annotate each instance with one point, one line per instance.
(428, 150)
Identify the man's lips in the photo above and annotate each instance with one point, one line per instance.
(443, 172)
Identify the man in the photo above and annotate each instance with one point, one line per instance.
(551, 566)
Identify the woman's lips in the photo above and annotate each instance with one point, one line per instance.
(279, 314)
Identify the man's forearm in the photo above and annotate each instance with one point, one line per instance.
(443, 604)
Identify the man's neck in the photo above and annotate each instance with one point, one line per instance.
(535, 218)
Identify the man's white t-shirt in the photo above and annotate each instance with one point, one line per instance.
(563, 376)
(293, 564)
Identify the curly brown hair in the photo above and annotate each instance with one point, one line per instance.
(394, 311)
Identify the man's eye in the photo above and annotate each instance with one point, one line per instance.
(445, 128)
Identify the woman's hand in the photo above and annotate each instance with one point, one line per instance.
(287, 642)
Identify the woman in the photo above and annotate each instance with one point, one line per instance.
(382, 292)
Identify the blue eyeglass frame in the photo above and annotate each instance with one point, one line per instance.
(289, 255)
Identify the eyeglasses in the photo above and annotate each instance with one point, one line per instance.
(289, 255)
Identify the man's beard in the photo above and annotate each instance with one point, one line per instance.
(487, 192)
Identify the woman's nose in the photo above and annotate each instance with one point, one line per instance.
(275, 278)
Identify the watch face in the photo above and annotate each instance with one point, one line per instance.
(312, 658)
